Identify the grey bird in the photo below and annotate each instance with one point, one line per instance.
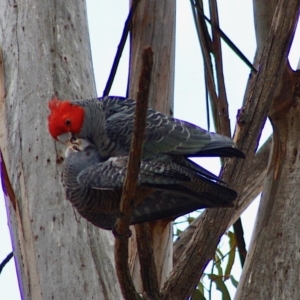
(108, 123)
(166, 189)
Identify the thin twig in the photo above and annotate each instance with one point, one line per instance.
(240, 241)
(223, 115)
(121, 46)
(251, 120)
(206, 47)
(251, 190)
(130, 182)
(228, 41)
(6, 260)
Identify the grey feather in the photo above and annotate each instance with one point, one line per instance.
(109, 125)
(94, 187)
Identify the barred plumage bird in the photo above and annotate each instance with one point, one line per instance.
(168, 187)
(108, 123)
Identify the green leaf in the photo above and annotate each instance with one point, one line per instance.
(218, 265)
(197, 295)
(231, 254)
(178, 232)
(190, 219)
(219, 253)
(233, 281)
(201, 287)
(222, 288)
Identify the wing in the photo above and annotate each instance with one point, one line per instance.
(163, 134)
(161, 174)
(101, 220)
(170, 205)
(111, 174)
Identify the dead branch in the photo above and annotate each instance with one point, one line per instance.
(251, 119)
(130, 182)
(252, 189)
(146, 257)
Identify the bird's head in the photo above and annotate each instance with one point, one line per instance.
(79, 145)
(65, 119)
(82, 154)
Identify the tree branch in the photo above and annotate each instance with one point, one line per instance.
(251, 119)
(130, 182)
(121, 46)
(222, 118)
(227, 40)
(251, 190)
(206, 48)
(6, 260)
(148, 269)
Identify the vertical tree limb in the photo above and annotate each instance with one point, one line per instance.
(146, 257)
(276, 224)
(46, 51)
(130, 182)
(251, 119)
(252, 189)
(154, 26)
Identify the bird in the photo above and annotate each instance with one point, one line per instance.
(166, 189)
(108, 122)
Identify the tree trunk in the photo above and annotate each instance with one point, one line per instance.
(46, 51)
(272, 269)
(274, 237)
(154, 26)
(251, 118)
(263, 14)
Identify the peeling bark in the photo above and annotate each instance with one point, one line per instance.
(273, 260)
(251, 190)
(46, 51)
(252, 116)
(154, 26)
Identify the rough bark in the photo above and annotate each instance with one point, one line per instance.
(46, 51)
(277, 270)
(199, 251)
(275, 214)
(263, 14)
(251, 190)
(130, 187)
(154, 26)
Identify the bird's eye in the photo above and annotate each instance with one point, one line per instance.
(68, 122)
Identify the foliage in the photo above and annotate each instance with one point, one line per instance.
(218, 275)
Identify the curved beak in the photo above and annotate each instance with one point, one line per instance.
(65, 137)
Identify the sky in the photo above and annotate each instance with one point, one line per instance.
(106, 21)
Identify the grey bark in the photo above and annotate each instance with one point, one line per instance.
(154, 26)
(250, 122)
(251, 190)
(263, 12)
(272, 265)
(46, 51)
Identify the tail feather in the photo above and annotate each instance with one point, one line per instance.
(220, 152)
(163, 205)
